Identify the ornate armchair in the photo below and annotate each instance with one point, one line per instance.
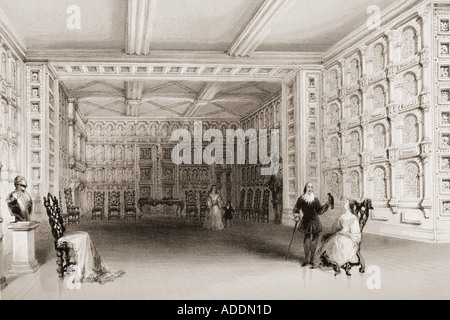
(64, 216)
(255, 213)
(191, 204)
(248, 207)
(130, 205)
(73, 212)
(58, 229)
(114, 205)
(203, 204)
(98, 211)
(264, 216)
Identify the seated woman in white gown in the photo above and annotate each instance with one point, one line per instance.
(213, 220)
(80, 252)
(340, 247)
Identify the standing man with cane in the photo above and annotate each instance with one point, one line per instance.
(310, 224)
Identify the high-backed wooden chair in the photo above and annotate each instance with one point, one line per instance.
(191, 204)
(58, 229)
(130, 205)
(264, 212)
(248, 206)
(203, 204)
(63, 214)
(73, 212)
(241, 207)
(114, 205)
(98, 210)
(256, 206)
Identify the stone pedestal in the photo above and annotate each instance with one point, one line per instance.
(3, 283)
(24, 247)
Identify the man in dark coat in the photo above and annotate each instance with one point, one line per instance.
(310, 224)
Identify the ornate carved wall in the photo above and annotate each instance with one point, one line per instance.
(441, 63)
(376, 131)
(12, 131)
(249, 175)
(136, 155)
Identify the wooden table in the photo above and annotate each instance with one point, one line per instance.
(154, 202)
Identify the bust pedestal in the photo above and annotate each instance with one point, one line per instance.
(24, 247)
(3, 283)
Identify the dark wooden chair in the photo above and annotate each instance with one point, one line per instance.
(264, 213)
(63, 214)
(255, 214)
(241, 208)
(73, 212)
(114, 205)
(191, 204)
(204, 209)
(98, 211)
(248, 207)
(130, 205)
(58, 229)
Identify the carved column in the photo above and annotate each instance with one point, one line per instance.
(78, 154)
(3, 283)
(71, 117)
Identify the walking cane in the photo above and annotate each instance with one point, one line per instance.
(292, 238)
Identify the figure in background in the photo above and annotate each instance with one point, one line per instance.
(214, 220)
(228, 214)
(19, 201)
(275, 185)
(341, 246)
(310, 225)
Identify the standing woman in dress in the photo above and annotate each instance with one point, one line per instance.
(310, 224)
(214, 220)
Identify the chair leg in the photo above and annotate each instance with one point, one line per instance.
(59, 263)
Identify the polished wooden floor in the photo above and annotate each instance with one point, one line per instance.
(168, 258)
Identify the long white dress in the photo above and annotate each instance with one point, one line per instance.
(89, 266)
(213, 220)
(342, 246)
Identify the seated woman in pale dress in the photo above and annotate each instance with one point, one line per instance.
(340, 247)
(213, 220)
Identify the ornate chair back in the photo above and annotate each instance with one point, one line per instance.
(248, 206)
(130, 205)
(241, 207)
(73, 212)
(256, 206)
(265, 206)
(99, 205)
(203, 204)
(363, 212)
(55, 218)
(114, 204)
(191, 204)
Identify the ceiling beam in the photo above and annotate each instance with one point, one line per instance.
(264, 19)
(133, 96)
(133, 90)
(139, 26)
(204, 97)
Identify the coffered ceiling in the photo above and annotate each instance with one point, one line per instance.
(169, 99)
(181, 58)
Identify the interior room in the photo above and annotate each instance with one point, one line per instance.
(131, 123)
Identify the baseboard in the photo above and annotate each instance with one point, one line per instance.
(421, 235)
